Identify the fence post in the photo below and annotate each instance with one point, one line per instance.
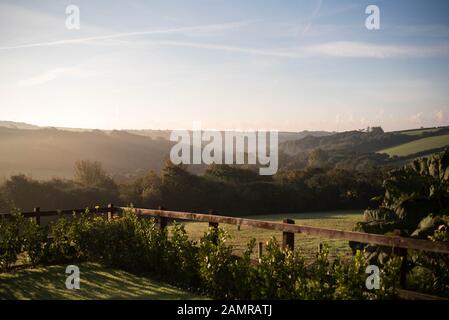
(37, 210)
(260, 251)
(288, 238)
(111, 211)
(403, 274)
(214, 225)
(163, 221)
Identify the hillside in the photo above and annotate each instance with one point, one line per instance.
(51, 152)
(46, 153)
(350, 141)
(17, 125)
(283, 136)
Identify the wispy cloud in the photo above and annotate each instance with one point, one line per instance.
(51, 75)
(209, 27)
(342, 49)
(230, 48)
(348, 49)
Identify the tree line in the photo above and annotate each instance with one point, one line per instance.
(230, 190)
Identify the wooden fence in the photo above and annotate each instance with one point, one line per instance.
(400, 245)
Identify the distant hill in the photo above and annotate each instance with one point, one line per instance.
(52, 152)
(161, 134)
(17, 125)
(283, 136)
(350, 141)
(46, 153)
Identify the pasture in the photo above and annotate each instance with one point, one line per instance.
(418, 146)
(342, 220)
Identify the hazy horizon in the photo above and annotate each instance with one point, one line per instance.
(203, 128)
(284, 65)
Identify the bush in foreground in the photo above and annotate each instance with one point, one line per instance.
(140, 246)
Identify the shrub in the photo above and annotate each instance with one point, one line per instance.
(35, 243)
(280, 274)
(182, 258)
(139, 245)
(10, 241)
(216, 262)
(434, 266)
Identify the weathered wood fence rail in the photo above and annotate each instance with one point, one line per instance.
(287, 227)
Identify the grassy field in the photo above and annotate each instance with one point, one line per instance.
(342, 220)
(418, 146)
(97, 282)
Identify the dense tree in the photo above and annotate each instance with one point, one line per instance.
(91, 174)
(230, 190)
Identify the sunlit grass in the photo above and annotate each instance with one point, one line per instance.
(341, 220)
(418, 146)
(97, 282)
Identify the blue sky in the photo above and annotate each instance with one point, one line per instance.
(286, 65)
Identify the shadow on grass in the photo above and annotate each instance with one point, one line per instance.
(97, 282)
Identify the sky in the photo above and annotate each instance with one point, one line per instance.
(227, 64)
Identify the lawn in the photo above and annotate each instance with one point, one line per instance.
(418, 146)
(342, 220)
(97, 282)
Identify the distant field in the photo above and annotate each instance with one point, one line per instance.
(418, 146)
(97, 282)
(418, 131)
(342, 220)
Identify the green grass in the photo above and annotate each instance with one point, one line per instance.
(342, 220)
(97, 282)
(418, 146)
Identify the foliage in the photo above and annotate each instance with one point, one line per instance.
(415, 204)
(234, 190)
(140, 246)
(182, 257)
(35, 243)
(434, 266)
(10, 241)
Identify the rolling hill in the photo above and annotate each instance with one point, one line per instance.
(44, 153)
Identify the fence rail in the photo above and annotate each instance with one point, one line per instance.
(288, 227)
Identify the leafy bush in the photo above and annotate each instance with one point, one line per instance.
(217, 264)
(280, 274)
(182, 257)
(431, 270)
(35, 243)
(10, 241)
(139, 245)
(415, 204)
